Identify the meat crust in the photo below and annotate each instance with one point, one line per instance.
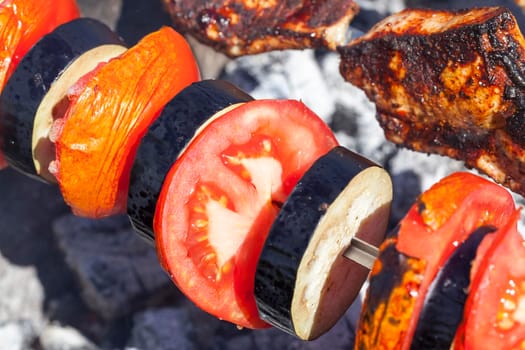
(242, 27)
(451, 83)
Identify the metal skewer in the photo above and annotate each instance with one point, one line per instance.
(362, 252)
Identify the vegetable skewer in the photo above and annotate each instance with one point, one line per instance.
(173, 132)
(316, 300)
(222, 194)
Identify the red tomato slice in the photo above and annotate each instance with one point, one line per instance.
(222, 195)
(495, 308)
(110, 110)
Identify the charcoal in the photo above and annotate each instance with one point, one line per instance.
(117, 270)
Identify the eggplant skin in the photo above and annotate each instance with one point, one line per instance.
(167, 136)
(278, 270)
(442, 311)
(33, 77)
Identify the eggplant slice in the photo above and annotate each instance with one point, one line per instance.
(445, 300)
(35, 92)
(181, 119)
(303, 283)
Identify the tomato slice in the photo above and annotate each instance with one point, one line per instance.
(220, 198)
(495, 309)
(110, 110)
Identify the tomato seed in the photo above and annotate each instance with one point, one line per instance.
(505, 323)
(519, 314)
(201, 223)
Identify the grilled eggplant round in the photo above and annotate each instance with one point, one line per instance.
(167, 137)
(303, 283)
(445, 300)
(36, 92)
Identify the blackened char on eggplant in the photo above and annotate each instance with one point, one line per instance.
(448, 82)
(242, 27)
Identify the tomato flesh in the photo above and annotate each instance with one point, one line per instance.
(110, 110)
(495, 309)
(220, 198)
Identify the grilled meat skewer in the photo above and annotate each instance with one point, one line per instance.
(243, 27)
(448, 82)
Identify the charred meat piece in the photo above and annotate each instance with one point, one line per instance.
(451, 83)
(242, 27)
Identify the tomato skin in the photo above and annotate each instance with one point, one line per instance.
(110, 111)
(287, 137)
(493, 317)
(442, 217)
